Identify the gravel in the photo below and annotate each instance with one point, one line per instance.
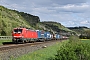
(7, 54)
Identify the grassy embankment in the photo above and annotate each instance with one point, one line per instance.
(86, 41)
(43, 54)
(2, 41)
(46, 53)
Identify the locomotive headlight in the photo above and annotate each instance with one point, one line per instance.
(19, 32)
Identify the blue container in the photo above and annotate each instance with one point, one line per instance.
(57, 36)
(40, 35)
(47, 35)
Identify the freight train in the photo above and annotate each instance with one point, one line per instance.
(27, 35)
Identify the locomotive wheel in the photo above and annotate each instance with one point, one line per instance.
(23, 41)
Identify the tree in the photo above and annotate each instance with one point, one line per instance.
(3, 33)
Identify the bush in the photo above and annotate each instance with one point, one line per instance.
(74, 39)
(73, 50)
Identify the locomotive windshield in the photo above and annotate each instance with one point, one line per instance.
(18, 30)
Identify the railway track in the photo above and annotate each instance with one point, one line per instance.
(15, 50)
(12, 46)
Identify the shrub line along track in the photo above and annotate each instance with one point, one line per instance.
(12, 46)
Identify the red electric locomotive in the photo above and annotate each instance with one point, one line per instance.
(24, 35)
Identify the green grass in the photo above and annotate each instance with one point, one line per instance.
(1, 41)
(43, 54)
(46, 53)
(86, 41)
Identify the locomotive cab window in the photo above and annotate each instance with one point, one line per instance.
(18, 30)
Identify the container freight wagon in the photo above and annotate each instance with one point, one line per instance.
(41, 36)
(24, 35)
(47, 36)
(57, 36)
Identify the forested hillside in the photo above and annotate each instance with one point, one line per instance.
(82, 31)
(10, 19)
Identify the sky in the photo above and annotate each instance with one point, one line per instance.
(70, 13)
